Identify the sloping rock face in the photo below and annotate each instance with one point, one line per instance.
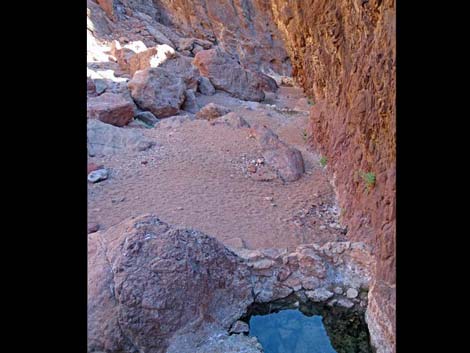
(148, 281)
(343, 54)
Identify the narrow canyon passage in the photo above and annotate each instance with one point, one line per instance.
(241, 157)
(197, 177)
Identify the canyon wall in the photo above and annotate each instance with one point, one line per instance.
(343, 55)
(243, 28)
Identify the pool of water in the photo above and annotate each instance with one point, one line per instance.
(290, 331)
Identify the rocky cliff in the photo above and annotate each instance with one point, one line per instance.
(343, 55)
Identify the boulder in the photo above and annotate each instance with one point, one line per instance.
(148, 281)
(158, 91)
(182, 66)
(205, 86)
(286, 160)
(226, 74)
(104, 139)
(174, 121)
(212, 111)
(266, 83)
(111, 108)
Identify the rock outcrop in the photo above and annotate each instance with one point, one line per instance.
(148, 281)
(343, 55)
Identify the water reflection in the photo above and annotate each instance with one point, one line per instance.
(290, 331)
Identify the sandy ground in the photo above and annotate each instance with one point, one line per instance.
(196, 177)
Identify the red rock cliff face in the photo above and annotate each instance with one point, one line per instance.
(343, 54)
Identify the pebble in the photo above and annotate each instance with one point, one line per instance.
(268, 198)
(322, 227)
(93, 227)
(338, 290)
(180, 208)
(251, 168)
(351, 293)
(98, 175)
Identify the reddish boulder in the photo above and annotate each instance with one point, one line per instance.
(110, 108)
(286, 160)
(158, 91)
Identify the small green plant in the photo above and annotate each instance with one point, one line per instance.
(323, 161)
(304, 135)
(310, 102)
(369, 179)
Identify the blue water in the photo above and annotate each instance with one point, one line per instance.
(290, 331)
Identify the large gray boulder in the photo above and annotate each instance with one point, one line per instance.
(226, 74)
(158, 91)
(104, 139)
(148, 281)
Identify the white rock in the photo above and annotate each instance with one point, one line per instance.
(319, 295)
(352, 293)
(98, 175)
